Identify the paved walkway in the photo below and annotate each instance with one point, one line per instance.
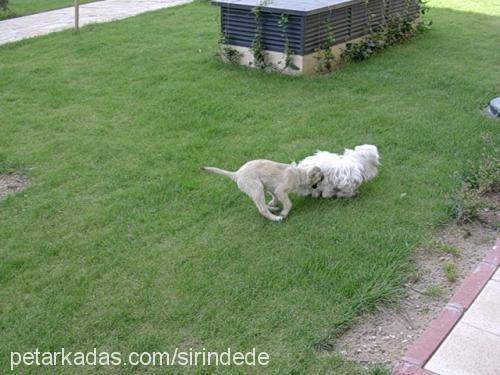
(464, 339)
(473, 346)
(15, 29)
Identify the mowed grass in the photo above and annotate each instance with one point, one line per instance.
(24, 7)
(121, 243)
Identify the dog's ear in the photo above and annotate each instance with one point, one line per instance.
(315, 175)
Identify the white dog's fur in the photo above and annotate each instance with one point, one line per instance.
(259, 176)
(343, 173)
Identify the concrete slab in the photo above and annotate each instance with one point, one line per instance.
(496, 276)
(467, 351)
(485, 311)
(471, 346)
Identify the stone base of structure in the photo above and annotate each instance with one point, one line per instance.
(306, 64)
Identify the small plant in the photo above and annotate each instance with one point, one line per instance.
(283, 24)
(469, 198)
(364, 49)
(380, 370)
(226, 53)
(398, 30)
(325, 60)
(424, 24)
(467, 203)
(424, 8)
(231, 55)
(451, 272)
(4, 4)
(434, 291)
(394, 31)
(259, 56)
(488, 174)
(441, 247)
(416, 276)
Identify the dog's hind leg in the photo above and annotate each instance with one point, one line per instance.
(260, 202)
(273, 204)
(287, 204)
(256, 192)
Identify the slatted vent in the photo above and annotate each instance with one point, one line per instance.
(308, 32)
(354, 21)
(239, 28)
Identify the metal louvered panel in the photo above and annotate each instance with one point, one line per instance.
(401, 8)
(307, 31)
(353, 21)
(239, 28)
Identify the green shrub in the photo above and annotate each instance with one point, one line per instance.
(434, 291)
(396, 30)
(451, 271)
(325, 60)
(4, 4)
(474, 183)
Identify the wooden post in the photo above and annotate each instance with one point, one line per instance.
(77, 15)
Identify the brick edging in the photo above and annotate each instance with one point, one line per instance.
(424, 347)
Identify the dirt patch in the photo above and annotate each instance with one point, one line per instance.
(12, 183)
(384, 336)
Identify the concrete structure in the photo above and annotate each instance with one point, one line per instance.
(303, 26)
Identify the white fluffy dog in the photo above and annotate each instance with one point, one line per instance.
(343, 173)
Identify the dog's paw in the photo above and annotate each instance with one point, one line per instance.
(279, 218)
(316, 193)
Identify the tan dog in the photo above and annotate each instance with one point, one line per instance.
(258, 176)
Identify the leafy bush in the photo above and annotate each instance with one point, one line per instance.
(396, 30)
(451, 271)
(230, 55)
(4, 4)
(474, 183)
(325, 60)
(362, 50)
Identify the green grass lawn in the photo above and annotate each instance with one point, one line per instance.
(24, 7)
(121, 242)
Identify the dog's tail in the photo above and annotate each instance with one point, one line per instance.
(231, 175)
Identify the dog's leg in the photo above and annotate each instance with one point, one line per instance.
(256, 192)
(273, 204)
(345, 193)
(260, 202)
(329, 192)
(287, 204)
